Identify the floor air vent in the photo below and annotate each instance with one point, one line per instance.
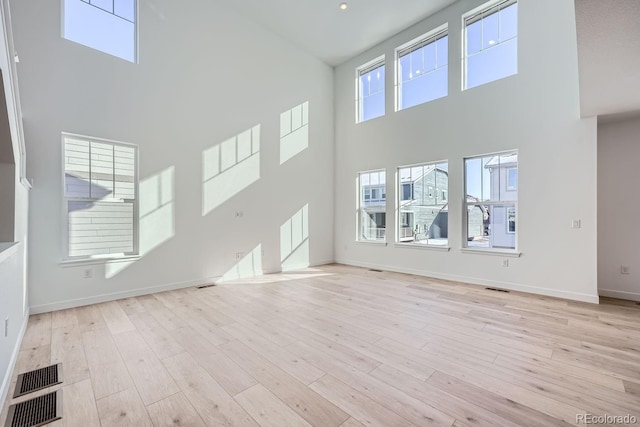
(38, 379)
(497, 290)
(211, 285)
(36, 412)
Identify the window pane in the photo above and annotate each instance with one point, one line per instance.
(424, 217)
(509, 22)
(442, 46)
(125, 9)
(372, 94)
(372, 217)
(429, 55)
(491, 51)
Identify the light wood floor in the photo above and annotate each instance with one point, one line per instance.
(340, 346)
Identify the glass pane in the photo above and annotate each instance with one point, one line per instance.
(442, 47)
(416, 63)
(499, 226)
(474, 178)
(125, 9)
(492, 64)
(405, 67)
(101, 170)
(477, 225)
(474, 37)
(76, 168)
(429, 54)
(490, 30)
(509, 22)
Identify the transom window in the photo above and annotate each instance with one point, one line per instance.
(424, 215)
(105, 25)
(422, 69)
(491, 43)
(370, 90)
(491, 205)
(372, 206)
(100, 198)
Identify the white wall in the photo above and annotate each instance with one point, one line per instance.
(205, 74)
(618, 208)
(535, 112)
(13, 281)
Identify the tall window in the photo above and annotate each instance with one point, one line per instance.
(105, 25)
(422, 69)
(370, 90)
(372, 216)
(424, 216)
(491, 43)
(492, 200)
(100, 186)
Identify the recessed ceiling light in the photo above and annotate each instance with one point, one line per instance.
(343, 6)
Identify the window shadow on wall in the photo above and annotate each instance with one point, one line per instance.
(294, 241)
(230, 167)
(294, 131)
(157, 216)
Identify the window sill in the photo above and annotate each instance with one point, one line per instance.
(97, 261)
(490, 251)
(371, 242)
(428, 247)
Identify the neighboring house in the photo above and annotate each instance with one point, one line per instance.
(374, 217)
(503, 172)
(424, 207)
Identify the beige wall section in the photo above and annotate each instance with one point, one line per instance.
(205, 76)
(535, 112)
(619, 208)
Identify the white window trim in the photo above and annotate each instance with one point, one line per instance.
(469, 18)
(98, 259)
(363, 69)
(465, 214)
(136, 32)
(435, 34)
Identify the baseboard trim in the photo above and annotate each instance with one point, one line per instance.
(632, 296)
(594, 299)
(61, 305)
(6, 382)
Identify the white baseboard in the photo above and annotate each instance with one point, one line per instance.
(594, 299)
(61, 305)
(632, 296)
(6, 382)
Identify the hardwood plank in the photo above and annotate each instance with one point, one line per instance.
(149, 375)
(215, 406)
(67, 348)
(106, 367)
(115, 318)
(224, 370)
(174, 411)
(38, 331)
(267, 409)
(124, 408)
(158, 338)
(305, 402)
(63, 318)
(362, 408)
(79, 406)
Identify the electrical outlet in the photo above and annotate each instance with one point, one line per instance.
(238, 255)
(88, 273)
(6, 327)
(576, 223)
(239, 214)
(505, 263)
(624, 269)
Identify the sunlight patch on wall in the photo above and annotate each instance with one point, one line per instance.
(249, 266)
(229, 168)
(157, 216)
(294, 241)
(294, 131)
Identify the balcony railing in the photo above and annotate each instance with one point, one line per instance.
(374, 233)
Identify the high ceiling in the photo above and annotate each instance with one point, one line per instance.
(333, 35)
(609, 56)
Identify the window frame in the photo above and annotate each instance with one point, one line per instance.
(507, 204)
(360, 207)
(472, 16)
(408, 48)
(430, 192)
(65, 204)
(135, 22)
(359, 99)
